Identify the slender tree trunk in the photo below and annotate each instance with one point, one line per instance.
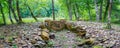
(53, 10)
(101, 5)
(10, 1)
(32, 13)
(68, 3)
(10, 12)
(18, 11)
(109, 14)
(78, 12)
(89, 12)
(105, 13)
(75, 12)
(1, 9)
(97, 12)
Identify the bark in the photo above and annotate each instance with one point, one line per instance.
(101, 5)
(32, 13)
(109, 14)
(18, 11)
(9, 2)
(97, 12)
(53, 10)
(105, 13)
(1, 9)
(68, 3)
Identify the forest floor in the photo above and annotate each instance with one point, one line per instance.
(63, 39)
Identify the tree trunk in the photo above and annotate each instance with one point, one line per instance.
(89, 13)
(32, 13)
(18, 11)
(78, 12)
(97, 12)
(1, 9)
(75, 12)
(68, 3)
(105, 13)
(109, 14)
(101, 5)
(9, 2)
(53, 10)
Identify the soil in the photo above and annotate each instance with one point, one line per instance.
(65, 38)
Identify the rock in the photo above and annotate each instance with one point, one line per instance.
(57, 25)
(39, 33)
(69, 25)
(80, 44)
(45, 30)
(33, 41)
(38, 38)
(44, 36)
(89, 41)
(52, 36)
(79, 31)
(42, 26)
(40, 44)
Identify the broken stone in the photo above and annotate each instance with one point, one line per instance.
(44, 35)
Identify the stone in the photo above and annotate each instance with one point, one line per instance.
(44, 36)
(45, 30)
(38, 38)
(52, 36)
(89, 41)
(33, 41)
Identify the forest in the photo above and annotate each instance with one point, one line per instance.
(59, 24)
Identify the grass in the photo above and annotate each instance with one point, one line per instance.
(30, 20)
(96, 46)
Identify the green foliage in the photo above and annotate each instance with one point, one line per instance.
(15, 46)
(50, 43)
(43, 8)
(96, 46)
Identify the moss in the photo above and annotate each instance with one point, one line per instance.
(97, 46)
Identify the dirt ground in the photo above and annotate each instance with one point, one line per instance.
(64, 38)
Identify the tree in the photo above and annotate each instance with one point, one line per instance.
(18, 11)
(68, 4)
(32, 13)
(109, 14)
(89, 11)
(13, 11)
(53, 10)
(1, 9)
(30, 10)
(96, 9)
(75, 12)
(9, 11)
(101, 6)
(106, 9)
